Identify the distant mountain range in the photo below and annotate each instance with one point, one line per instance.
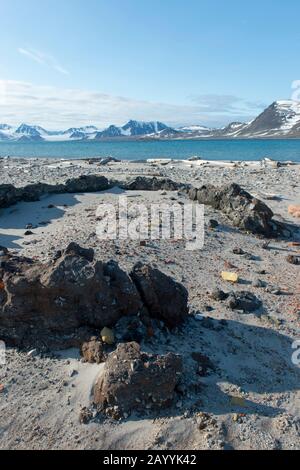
(280, 120)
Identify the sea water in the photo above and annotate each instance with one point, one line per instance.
(283, 150)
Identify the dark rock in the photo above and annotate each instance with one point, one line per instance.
(92, 352)
(218, 295)
(164, 298)
(208, 308)
(57, 255)
(143, 183)
(75, 250)
(133, 380)
(28, 232)
(9, 195)
(73, 291)
(245, 301)
(85, 416)
(204, 363)
(130, 329)
(241, 208)
(61, 296)
(238, 251)
(206, 195)
(293, 259)
(213, 224)
(3, 251)
(262, 272)
(87, 183)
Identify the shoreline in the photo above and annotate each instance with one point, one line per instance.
(157, 160)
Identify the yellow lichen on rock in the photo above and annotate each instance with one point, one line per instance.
(108, 336)
(230, 277)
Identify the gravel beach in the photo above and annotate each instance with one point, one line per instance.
(248, 398)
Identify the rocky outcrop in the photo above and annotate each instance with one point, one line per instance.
(74, 291)
(165, 299)
(242, 209)
(10, 195)
(133, 380)
(87, 183)
(142, 183)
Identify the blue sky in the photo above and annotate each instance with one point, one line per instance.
(103, 61)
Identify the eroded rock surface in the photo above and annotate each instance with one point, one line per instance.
(133, 380)
(244, 211)
(10, 195)
(75, 291)
(93, 351)
(165, 299)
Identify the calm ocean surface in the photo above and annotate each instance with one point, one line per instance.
(180, 149)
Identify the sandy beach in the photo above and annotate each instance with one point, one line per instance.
(249, 398)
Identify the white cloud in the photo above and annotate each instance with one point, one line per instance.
(228, 104)
(57, 108)
(43, 59)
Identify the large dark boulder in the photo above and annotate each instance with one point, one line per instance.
(244, 211)
(62, 296)
(87, 183)
(143, 183)
(133, 380)
(9, 195)
(74, 291)
(164, 298)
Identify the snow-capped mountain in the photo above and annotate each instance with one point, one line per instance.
(195, 128)
(133, 129)
(29, 133)
(5, 127)
(143, 128)
(80, 131)
(111, 131)
(232, 129)
(280, 120)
